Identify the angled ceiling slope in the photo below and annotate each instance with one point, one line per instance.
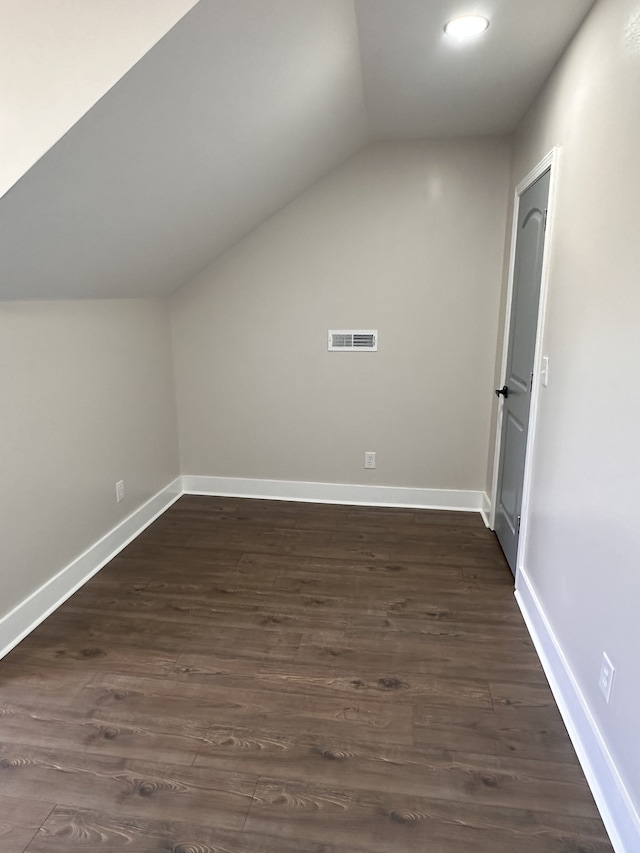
(57, 59)
(238, 109)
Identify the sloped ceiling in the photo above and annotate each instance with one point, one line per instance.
(238, 109)
(58, 58)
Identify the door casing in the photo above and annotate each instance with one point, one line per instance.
(552, 162)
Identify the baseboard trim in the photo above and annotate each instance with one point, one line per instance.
(334, 493)
(612, 798)
(485, 510)
(27, 615)
(20, 621)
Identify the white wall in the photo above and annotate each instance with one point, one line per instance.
(87, 400)
(405, 238)
(58, 58)
(583, 556)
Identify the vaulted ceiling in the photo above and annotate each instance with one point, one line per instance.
(242, 106)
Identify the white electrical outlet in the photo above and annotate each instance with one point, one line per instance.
(605, 683)
(369, 459)
(120, 491)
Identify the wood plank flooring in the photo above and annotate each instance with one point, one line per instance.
(268, 677)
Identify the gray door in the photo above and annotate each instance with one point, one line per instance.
(516, 393)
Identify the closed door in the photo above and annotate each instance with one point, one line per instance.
(516, 393)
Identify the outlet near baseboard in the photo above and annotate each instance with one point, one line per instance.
(120, 491)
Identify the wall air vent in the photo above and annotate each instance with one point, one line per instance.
(353, 340)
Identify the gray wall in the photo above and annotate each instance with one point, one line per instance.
(87, 399)
(405, 238)
(583, 554)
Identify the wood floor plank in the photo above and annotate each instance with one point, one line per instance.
(179, 556)
(438, 657)
(525, 734)
(505, 781)
(75, 730)
(81, 629)
(384, 685)
(382, 821)
(19, 822)
(46, 685)
(459, 605)
(68, 830)
(272, 677)
(41, 653)
(129, 701)
(125, 786)
(231, 606)
(513, 694)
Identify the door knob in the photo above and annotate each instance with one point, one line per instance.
(502, 392)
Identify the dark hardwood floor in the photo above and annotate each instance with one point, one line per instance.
(266, 677)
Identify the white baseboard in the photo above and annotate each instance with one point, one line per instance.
(335, 493)
(20, 621)
(35, 608)
(485, 510)
(612, 798)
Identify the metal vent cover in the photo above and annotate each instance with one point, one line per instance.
(353, 340)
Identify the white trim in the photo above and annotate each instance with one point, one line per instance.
(334, 493)
(609, 791)
(486, 510)
(550, 162)
(20, 621)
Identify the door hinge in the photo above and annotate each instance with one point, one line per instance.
(544, 220)
(518, 528)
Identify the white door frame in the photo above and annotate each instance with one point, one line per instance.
(552, 161)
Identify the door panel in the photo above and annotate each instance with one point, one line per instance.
(520, 362)
(515, 439)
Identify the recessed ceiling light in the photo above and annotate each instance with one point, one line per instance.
(466, 26)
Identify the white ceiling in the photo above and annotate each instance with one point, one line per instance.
(418, 82)
(43, 45)
(238, 109)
